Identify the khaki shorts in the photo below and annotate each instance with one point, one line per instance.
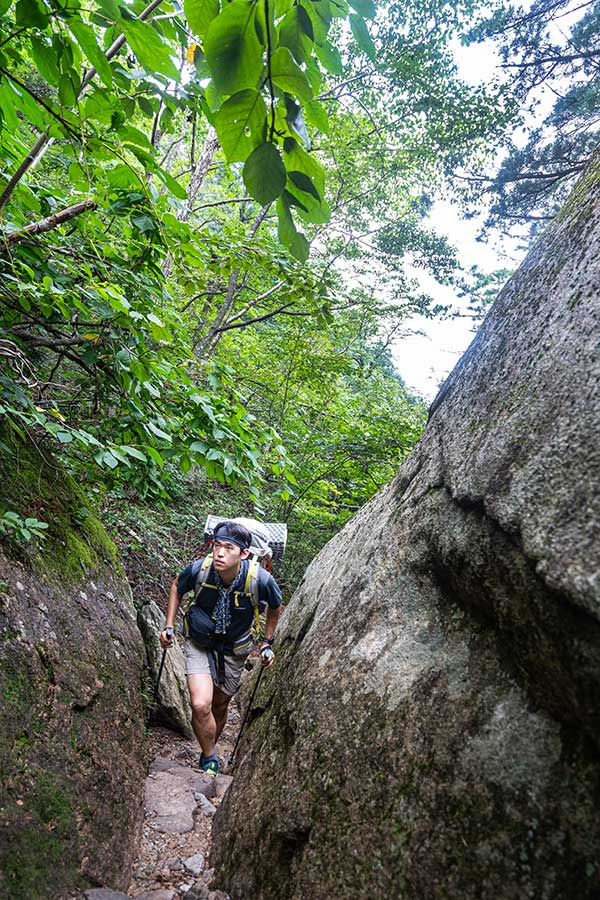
(204, 662)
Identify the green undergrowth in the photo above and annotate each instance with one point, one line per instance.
(76, 545)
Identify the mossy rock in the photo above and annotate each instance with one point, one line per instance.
(71, 668)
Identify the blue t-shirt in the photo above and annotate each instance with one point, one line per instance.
(242, 611)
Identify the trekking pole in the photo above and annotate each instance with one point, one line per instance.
(162, 663)
(231, 759)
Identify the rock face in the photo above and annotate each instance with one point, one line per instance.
(432, 727)
(172, 705)
(71, 660)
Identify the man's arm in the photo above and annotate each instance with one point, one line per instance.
(172, 607)
(271, 621)
(266, 653)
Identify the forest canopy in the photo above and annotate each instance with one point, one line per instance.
(209, 217)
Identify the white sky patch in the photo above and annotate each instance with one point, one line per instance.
(425, 361)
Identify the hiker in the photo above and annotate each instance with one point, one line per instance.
(225, 604)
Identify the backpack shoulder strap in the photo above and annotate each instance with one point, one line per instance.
(202, 575)
(251, 587)
(251, 584)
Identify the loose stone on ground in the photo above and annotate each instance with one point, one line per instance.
(180, 802)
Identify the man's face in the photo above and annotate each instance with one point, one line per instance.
(227, 556)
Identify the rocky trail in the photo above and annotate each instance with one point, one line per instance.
(180, 802)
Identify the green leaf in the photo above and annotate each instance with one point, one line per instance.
(365, 8)
(362, 37)
(30, 14)
(330, 57)
(86, 39)
(4, 5)
(200, 14)
(297, 34)
(299, 247)
(154, 455)
(109, 460)
(316, 114)
(240, 124)
(8, 105)
(151, 52)
(298, 160)
(159, 432)
(133, 451)
(45, 59)
(319, 13)
(286, 230)
(232, 49)
(135, 136)
(66, 91)
(264, 174)
(294, 240)
(177, 189)
(122, 176)
(303, 183)
(288, 75)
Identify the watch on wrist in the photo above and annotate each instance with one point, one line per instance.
(268, 641)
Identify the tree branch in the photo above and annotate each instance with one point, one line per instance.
(268, 315)
(50, 222)
(45, 137)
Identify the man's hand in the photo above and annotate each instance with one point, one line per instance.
(267, 657)
(166, 637)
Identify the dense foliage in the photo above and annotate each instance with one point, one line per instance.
(162, 174)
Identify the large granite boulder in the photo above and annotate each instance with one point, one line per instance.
(171, 702)
(432, 728)
(71, 664)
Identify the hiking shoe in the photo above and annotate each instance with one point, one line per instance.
(209, 764)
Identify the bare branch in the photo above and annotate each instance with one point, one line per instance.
(50, 222)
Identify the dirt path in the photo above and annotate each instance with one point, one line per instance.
(173, 862)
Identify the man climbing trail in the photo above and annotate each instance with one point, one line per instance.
(219, 629)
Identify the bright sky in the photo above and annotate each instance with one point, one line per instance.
(425, 361)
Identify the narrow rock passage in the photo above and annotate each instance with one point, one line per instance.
(180, 802)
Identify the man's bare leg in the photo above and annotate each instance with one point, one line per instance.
(220, 703)
(203, 719)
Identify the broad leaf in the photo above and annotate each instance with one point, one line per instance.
(299, 247)
(288, 75)
(67, 92)
(316, 114)
(45, 59)
(30, 14)
(362, 36)
(200, 14)
(151, 53)
(232, 49)
(365, 8)
(86, 39)
(330, 57)
(296, 33)
(286, 230)
(240, 124)
(264, 174)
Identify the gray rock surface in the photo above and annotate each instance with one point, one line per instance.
(104, 894)
(172, 705)
(71, 663)
(174, 794)
(195, 863)
(432, 728)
